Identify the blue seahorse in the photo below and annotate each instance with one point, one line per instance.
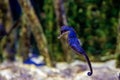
(74, 43)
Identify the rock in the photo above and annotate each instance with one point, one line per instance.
(62, 65)
(6, 73)
(110, 64)
(78, 66)
(2, 78)
(77, 62)
(99, 74)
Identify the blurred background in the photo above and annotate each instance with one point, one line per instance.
(30, 28)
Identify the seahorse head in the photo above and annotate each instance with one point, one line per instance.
(64, 29)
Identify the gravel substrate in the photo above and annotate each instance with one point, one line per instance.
(76, 70)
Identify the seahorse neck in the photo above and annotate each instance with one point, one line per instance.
(72, 34)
